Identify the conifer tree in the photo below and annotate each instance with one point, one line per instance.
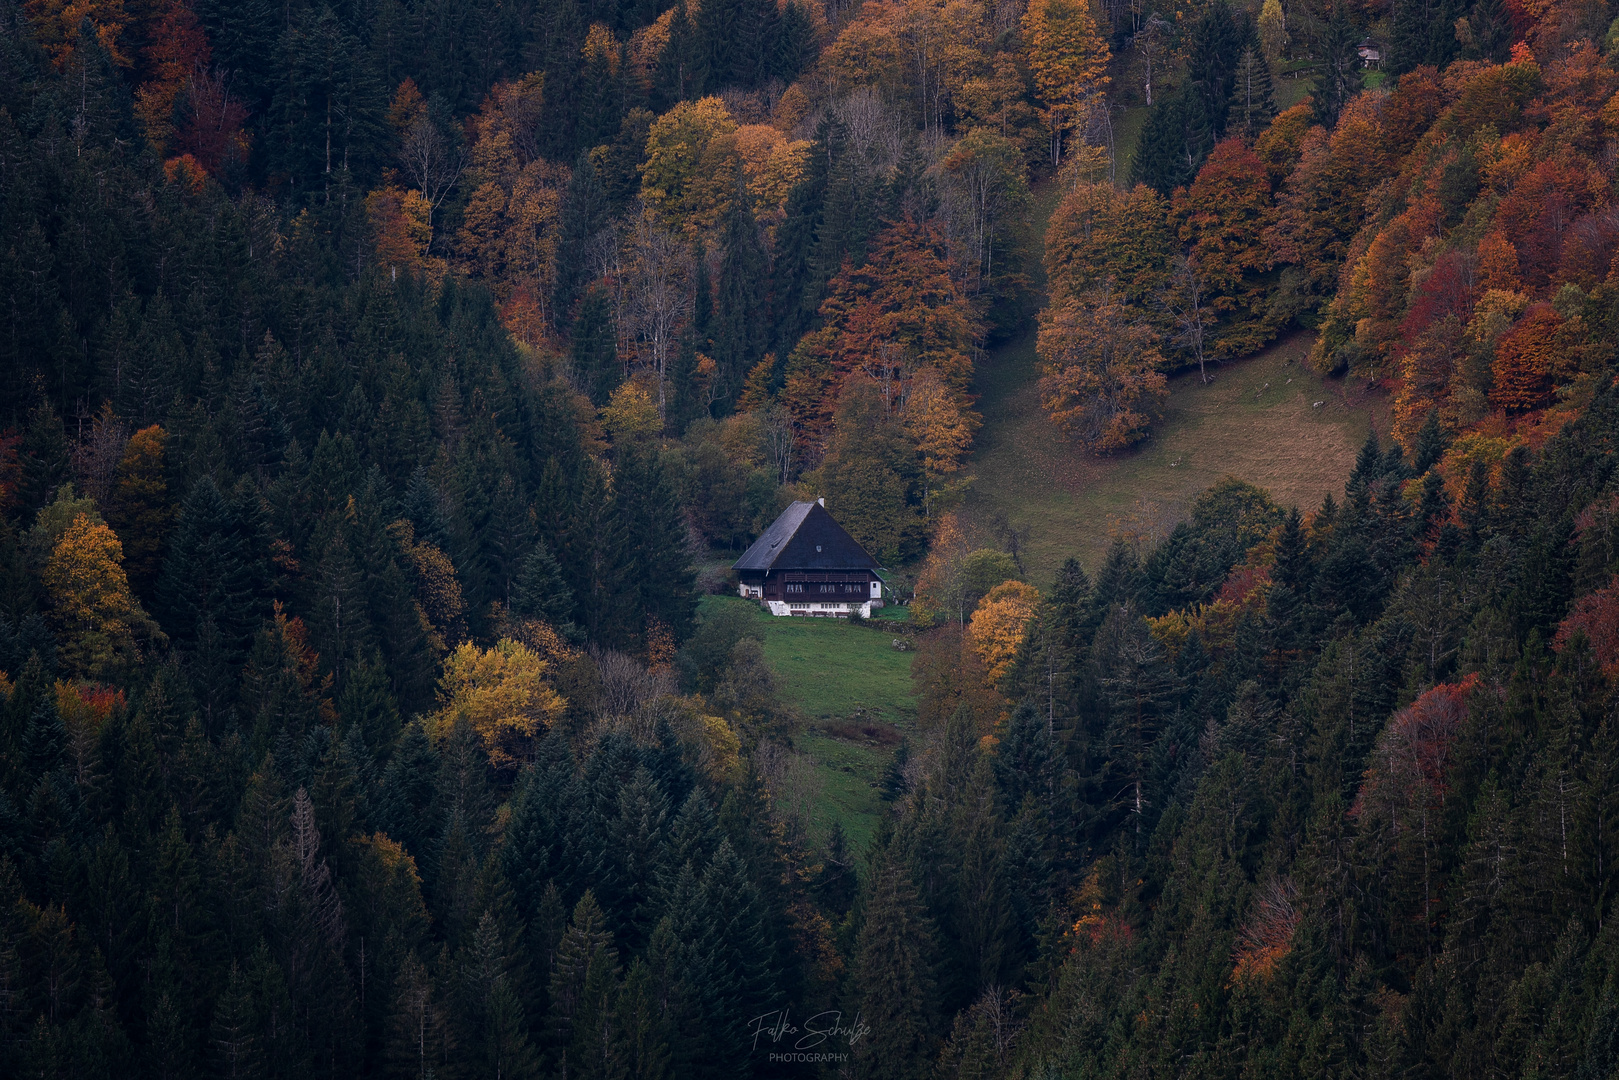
(795, 285)
(214, 573)
(741, 314)
(582, 980)
(1174, 141)
(652, 560)
(893, 979)
(1253, 105)
(540, 591)
(1338, 72)
(44, 456)
(637, 838)
(594, 350)
(408, 802)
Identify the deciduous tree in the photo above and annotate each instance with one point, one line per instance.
(1101, 380)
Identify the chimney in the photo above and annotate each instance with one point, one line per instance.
(821, 503)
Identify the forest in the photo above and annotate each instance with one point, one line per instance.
(387, 382)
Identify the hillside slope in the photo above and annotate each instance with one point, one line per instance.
(1268, 419)
(1258, 419)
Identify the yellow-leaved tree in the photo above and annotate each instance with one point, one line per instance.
(942, 428)
(691, 160)
(503, 693)
(998, 625)
(631, 413)
(1069, 60)
(97, 620)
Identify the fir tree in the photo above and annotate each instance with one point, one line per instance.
(1491, 25)
(1215, 45)
(653, 558)
(795, 285)
(1338, 72)
(407, 804)
(213, 573)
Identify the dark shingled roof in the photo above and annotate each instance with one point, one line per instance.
(805, 538)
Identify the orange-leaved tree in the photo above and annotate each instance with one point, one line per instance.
(1222, 217)
(999, 624)
(1323, 202)
(401, 228)
(1099, 233)
(689, 177)
(941, 426)
(56, 25)
(898, 312)
(1069, 60)
(940, 588)
(512, 222)
(179, 50)
(1531, 359)
(140, 508)
(1100, 362)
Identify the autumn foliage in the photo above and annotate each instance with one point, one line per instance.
(503, 693)
(999, 623)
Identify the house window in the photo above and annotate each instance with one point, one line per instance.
(795, 588)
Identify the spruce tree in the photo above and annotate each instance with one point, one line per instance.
(1026, 760)
(213, 573)
(795, 285)
(1424, 32)
(594, 348)
(1214, 47)
(637, 842)
(584, 212)
(407, 803)
(1431, 444)
(540, 592)
(716, 63)
(585, 960)
(1174, 141)
(740, 327)
(1252, 103)
(693, 837)
(835, 886)
(758, 37)
(795, 43)
(652, 560)
(1338, 69)
(640, 1026)
(1491, 25)
(367, 709)
(44, 458)
(231, 1036)
(893, 978)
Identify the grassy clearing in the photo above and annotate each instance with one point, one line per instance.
(833, 672)
(1258, 420)
(830, 669)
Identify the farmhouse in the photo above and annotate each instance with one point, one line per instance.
(806, 564)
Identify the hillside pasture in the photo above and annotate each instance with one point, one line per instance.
(1267, 419)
